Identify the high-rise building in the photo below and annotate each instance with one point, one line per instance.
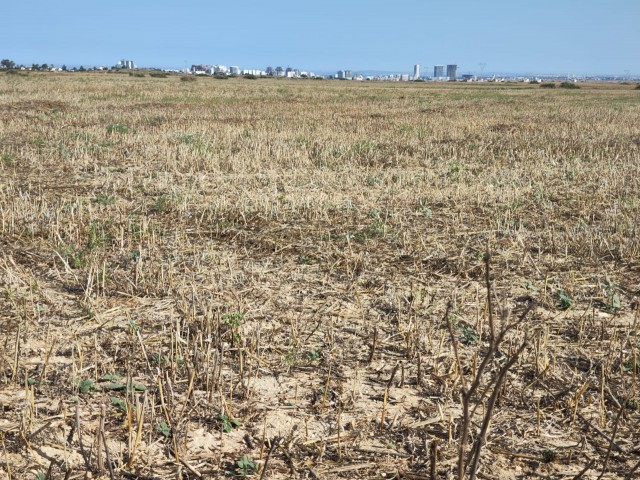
(438, 71)
(416, 72)
(452, 72)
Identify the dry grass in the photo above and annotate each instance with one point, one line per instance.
(193, 272)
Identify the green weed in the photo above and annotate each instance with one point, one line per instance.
(102, 199)
(227, 423)
(118, 128)
(164, 429)
(86, 386)
(245, 466)
(565, 302)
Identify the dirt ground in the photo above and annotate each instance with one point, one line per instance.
(288, 279)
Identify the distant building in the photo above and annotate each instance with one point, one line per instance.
(341, 75)
(468, 77)
(234, 70)
(438, 71)
(199, 69)
(128, 64)
(348, 75)
(416, 72)
(252, 71)
(452, 72)
(404, 77)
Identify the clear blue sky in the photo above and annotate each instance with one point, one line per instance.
(542, 36)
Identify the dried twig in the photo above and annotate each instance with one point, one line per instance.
(79, 430)
(274, 443)
(613, 437)
(471, 463)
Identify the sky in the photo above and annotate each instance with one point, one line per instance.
(538, 36)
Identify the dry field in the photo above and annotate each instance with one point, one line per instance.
(288, 279)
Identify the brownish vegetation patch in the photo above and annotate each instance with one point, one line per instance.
(284, 279)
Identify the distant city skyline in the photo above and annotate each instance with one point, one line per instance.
(572, 37)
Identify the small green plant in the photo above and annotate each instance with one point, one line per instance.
(7, 159)
(250, 77)
(165, 204)
(164, 429)
(158, 359)
(565, 302)
(569, 85)
(455, 169)
(548, 85)
(245, 466)
(304, 260)
(632, 364)
(133, 326)
(364, 148)
(633, 405)
(611, 298)
(638, 87)
(74, 256)
(373, 180)
(188, 78)
(86, 386)
(195, 142)
(102, 199)
(291, 357)
(41, 476)
(158, 75)
(227, 423)
(469, 335)
(117, 128)
(98, 236)
(121, 405)
(233, 319)
(375, 230)
(549, 456)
